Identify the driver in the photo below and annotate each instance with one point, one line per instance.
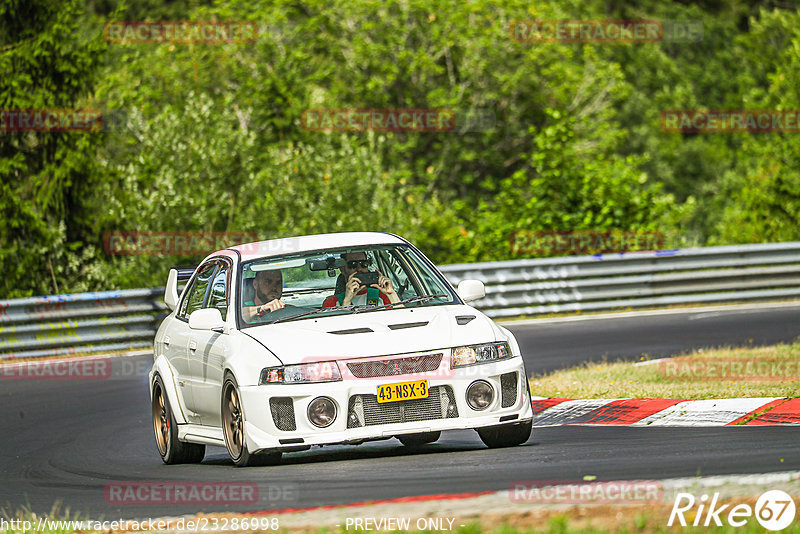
(356, 293)
(268, 289)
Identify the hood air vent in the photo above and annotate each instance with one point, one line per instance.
(352, 331)
(464, 319)
(400, 326)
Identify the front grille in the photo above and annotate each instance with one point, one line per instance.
(364, 410)
(508, 389)
(396, 366)
(282, 410)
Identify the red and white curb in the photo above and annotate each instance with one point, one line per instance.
(666, 412)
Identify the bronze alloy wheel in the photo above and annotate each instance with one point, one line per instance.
(160, 420)
(232, 421)
(233, 429)
(170, 448)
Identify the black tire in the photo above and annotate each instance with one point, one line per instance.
(170, 448)
(511, 435)
(416, 440)
(233, 429)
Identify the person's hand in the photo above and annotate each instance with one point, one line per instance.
(352, 287)
(271, 306)
(384, 284)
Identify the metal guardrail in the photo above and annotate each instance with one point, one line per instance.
(60, 325)
(635, 279)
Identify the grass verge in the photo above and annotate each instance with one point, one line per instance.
(772, 371)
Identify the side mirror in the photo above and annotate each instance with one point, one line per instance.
(171, 292)
(206, 319)
(470, 290)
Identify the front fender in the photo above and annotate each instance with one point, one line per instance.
(162, 368)
(248, 358)
(512, 340)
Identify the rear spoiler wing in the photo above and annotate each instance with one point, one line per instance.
(177, 275)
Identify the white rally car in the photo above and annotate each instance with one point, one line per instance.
(279, 345)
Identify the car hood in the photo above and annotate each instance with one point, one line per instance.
(376, 333)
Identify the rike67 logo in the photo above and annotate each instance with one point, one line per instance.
(774, 510)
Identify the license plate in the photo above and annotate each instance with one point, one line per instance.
(403, 391)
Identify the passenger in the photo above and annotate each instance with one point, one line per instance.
(267, 293)
(349, 289)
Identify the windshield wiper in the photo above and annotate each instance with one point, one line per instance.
(311, 312)
(411, 300)
(422, 298)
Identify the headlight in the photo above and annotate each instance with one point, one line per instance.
(301, 374)
(474, 354)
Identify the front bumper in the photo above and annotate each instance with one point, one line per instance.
(267, 424)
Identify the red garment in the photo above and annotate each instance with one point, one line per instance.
(331, 301)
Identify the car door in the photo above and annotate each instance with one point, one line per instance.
(210, 349)
(183, 341)
(169, 345)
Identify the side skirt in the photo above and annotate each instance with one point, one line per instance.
(207, 435)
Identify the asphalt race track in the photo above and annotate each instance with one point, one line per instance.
(66, 441)
(558, 344)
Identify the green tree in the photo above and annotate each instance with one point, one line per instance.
(46, 63)
(203, 168)
(762, 191)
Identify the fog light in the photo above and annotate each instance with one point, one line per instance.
(321, 412)
(480, 395)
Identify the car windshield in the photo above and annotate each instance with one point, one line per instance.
(314, 284)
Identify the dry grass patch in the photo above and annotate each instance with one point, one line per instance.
(706, 374)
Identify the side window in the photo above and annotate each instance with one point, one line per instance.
(219, 292)
(429, 283)
(197, 294)
(182, 310)
(395, 271)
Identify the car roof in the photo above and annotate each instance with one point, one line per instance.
(290, 245)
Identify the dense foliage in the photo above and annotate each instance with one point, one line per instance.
(212, 140)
